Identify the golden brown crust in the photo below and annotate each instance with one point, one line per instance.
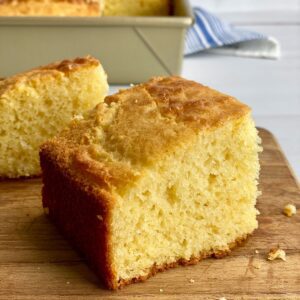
(72, 65)
(69, 198)
(184, 100)
(137, 126)
(51, 7)
(65, 67)
(182, 262)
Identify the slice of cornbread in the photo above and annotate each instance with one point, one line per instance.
(51, 7)
(137, 7)
(161, 174)
(36, 105)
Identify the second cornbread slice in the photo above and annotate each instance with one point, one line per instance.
(37, 104)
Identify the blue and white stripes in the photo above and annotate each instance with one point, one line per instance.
(210, 32)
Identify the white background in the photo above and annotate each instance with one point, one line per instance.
(247, 5)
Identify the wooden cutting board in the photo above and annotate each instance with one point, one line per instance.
(37, 263)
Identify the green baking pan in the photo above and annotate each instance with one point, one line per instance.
(131, 49)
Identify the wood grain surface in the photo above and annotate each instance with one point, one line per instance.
(37, 263)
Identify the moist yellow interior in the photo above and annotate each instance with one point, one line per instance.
(199, 198)
(35, 110)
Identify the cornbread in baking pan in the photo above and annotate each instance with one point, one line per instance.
(36, 105)
(51, 7)
(85, 7)
(161, 174)
(137, 7)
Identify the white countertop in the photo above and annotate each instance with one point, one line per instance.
(270, 87)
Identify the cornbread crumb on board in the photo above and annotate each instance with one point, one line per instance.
(256, 265)
(290, 210)
(277, 253)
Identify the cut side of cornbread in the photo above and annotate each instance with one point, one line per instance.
(51, 7)
(161, 174)
(137, 7)
(36, 105)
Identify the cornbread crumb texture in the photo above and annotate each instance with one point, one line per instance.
(256, 265)
(167, 160)
(290, 210)
(37, 104)
(276, 253)
(60, 8)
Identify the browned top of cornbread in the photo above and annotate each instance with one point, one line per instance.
(110, 145)
(65, 66)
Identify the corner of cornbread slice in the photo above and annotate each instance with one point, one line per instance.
(161, 174)
(37, 104)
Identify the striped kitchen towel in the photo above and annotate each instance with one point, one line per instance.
(210, 33)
